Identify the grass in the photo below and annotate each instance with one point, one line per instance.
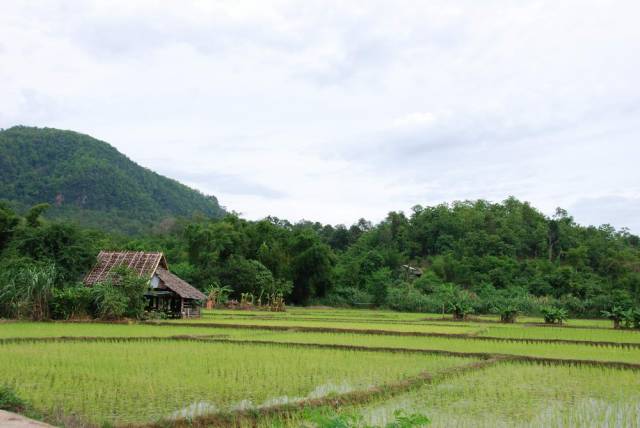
(517, 394)
(375, 314)
(515, 331)
(55, 329)
(339, 324)
(559, 333)
(118, 380)
(145, 381)
(541, 350)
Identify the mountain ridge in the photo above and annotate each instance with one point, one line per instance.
(90, 182)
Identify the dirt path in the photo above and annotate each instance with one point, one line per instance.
(13, 420)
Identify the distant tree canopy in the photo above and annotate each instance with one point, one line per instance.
(475, 256)
(89, 182)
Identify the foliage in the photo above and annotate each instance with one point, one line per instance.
(406, 297)
(217, 293)
(101, 381)
(461, 307)
(71, 302)
(9, 400)
(554, 315)
(323, 419)
(109, 302)
(121, 295)
(378, 285)
(404, 420)
(475, 256)
(90, 182)
(28, 291)
(623, 318)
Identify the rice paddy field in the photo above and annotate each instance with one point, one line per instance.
(322, 367)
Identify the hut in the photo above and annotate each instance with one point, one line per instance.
(166, 293)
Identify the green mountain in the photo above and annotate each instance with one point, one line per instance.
(88, 181)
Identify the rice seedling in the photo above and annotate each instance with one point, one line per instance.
(559, 333)
(51, 329)
(386, 326)
(542, 350)
(507, 395)
(139, 373)
(146, 381)
(524, 395)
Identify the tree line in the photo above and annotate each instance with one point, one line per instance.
(473, 256)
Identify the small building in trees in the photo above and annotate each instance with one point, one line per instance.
(411, 271)
(167, 293)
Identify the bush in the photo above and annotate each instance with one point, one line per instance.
(347, 297)
(10, 401)
(378, 284)
(121, 295)
(26, 289)
(71, 302)
(623, 318)
(155, 315)
(510, 303)
(554, 315)
(405, 297)
(109, 302)
(461, 305)
(572, 304)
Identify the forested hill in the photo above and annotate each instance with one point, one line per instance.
(89, 182)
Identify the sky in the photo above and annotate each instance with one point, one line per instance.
(332, 111)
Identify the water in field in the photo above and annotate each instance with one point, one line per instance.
(201, 408)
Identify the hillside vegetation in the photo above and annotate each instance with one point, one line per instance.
(475, 256)
(89, 182)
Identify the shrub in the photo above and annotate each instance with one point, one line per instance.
(71, 302)
(322, 418)
(616, 314)
(632, 318)
(378, 284)
(405, 297)
(554, 315)
(27, 289)
(109, 302)
(572, 304)
(121, 295)
(623, 318)
(403, 420)
(9, 400)
(347, 297)
(461, 306)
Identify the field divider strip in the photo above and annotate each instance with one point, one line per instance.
(434, 322)
(461, 336)
(527, 324)
(336, 346)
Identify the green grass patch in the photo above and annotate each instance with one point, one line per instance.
(146, 381)
(542, 350)
(559, 333)
(516, 394)
(398, 327)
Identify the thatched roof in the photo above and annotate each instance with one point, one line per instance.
(144, 264)
(178, 286)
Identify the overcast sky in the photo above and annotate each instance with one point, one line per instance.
(332, 111)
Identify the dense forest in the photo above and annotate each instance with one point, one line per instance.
(89, 182)
(475, 256)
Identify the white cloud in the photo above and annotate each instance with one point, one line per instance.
(333, 111)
